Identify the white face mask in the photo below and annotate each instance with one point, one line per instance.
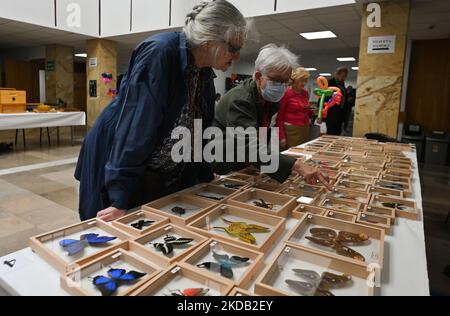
(274, 91)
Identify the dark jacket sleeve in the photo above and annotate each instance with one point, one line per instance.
(141, 117)
(242, 114)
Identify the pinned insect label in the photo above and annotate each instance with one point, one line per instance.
(168, 228)
(287, 250)
(117, 255)
(305, 200)
(175, 270)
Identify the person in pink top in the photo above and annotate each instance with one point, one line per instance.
(295, 112)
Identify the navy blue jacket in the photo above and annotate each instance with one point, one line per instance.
(112, 166)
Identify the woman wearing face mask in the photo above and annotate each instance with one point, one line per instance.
(294, 115)
(255, 103)
(126, 160)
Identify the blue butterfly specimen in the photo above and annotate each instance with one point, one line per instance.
(73, 246)
(109, 285)
(224, 264)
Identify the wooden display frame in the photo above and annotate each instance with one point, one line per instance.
(253, 269)
(286, 202)
(356, 186)
(376, 221)
(309, 256)
(399, 166)
(186, 271)
(70, 284)
(381, 211)
(406, 187)
(399, 173)
(342, 216)
(336, 224)
(394, 178)
(356, 206)
(361, 172)
(301, 210)
(123, 223)
(277, 225)
(215, 189)
(355, 178)
(363, 197)
(374, 190)
(241, 292)
(224, 181)
(159, 258)
(36, 243)
(241, 177)
(204, 206)
(298, 194)
(399, 213)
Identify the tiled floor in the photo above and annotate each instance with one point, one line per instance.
(40, 200)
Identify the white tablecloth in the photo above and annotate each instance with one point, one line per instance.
(404, 273)
(41, 120)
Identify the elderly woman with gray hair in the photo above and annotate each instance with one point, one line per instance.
(255, 104)
(126, 159)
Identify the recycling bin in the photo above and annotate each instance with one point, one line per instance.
(437, 148)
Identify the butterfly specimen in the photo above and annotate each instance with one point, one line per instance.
(141, 224)
(217, 198)
(73, 246)
(116, 277)
(233, 186)
(263, 204)
(189, 292)
(224, 264)
(179, 210)
(398, 206)
(395, 186)
(170, 242)
(337, 241)
(243, 230)
(317, 285)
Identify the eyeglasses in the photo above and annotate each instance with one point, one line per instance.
(278, 83)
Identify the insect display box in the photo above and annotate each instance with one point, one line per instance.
(167, 244)
(231, 183)
(381, 211)
(329, 156)
(226, 260)
(351, 242)
(374, 190)
(395, 178)
(356, 179)
(302, 209)
(243, 227)
(403, 208)
(309, 195)
(297, 271)
(268, 186)
(398, 173)
(264, 201)
(116, 273)
(140, 222)
(240, 292)
(180, 208)
(242, 177)
(210, 192)
(362, 172)
(376, 221)
(356, 186)
(398, 165)
(340, 215)
(404, 187)
(341, 205)
(346, 194)
(360, 166)
(322, 163)
(76, 244)
(182, 280)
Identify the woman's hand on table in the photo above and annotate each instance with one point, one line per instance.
(110, 214)
(312, 175)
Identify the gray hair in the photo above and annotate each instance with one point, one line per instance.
(275, 58)
(215, 20)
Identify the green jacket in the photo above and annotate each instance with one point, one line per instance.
(243, 106)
